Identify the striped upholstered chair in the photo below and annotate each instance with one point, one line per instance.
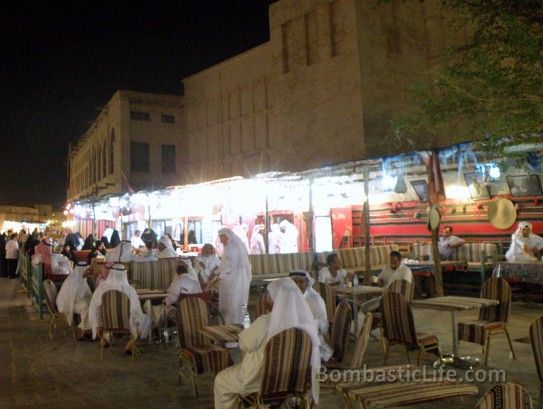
(341, 325)
(506, 396)
(359, 348)
(56, 317)
(492, 320)
(195, 349)
(329, 298)
(399, 328)
(286, 372)
(536, 338)
(115, 313)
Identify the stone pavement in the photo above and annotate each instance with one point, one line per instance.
(38, 373)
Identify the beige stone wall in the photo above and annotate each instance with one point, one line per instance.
(92, 172)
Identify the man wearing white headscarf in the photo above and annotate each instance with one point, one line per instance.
(241, 231)
(290, 310)
(317, 306)
(122, 253)
(274, 239)
(165, 248)
(289, 239)
(235, 276)
(74, 297)
(140, 323)
(524, 245)
(257, 241)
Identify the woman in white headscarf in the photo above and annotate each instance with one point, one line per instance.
(524, 245)
(257, 241)
(165, 248)
(235, 276)
(289, 311)
(318, 308)
(74, 297)
(140, 323)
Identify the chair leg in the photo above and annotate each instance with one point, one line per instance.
(194, 384)
(387, 348)
(408, 355)
(487, 348)
(50, 330)
(382, 337)
(419, 360)
(510, 343)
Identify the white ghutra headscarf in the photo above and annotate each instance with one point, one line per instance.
(75, 283)
(290, 310)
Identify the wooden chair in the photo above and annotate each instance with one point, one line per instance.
(286, 371)
(399, 328)
(329, 298)
(359, 348)
(536, 338)
(56, 316)
(506, 396)
(115, 313)
(492, 320)
(340, 331)
(197, 354)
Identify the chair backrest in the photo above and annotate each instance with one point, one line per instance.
(192, 314)
(496, 289)
(340, 330)
(115, 311)
(536, 338)
(506, 396)
(329, 298)
(287, 359)
(398, 323)
(50, 296)
(361, 342)
(402, 287)
(261, 305)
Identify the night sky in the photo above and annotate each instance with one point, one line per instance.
(60, 62)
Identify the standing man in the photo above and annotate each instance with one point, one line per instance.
(449, 243)
(289, 240)
(12, 255)
(235, 275)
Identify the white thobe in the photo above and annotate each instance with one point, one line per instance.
(233, 292)
(168, 252)
(244, 378)
(516, 252)
(318, 309)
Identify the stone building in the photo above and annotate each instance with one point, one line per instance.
(135, 140)
(323, 90)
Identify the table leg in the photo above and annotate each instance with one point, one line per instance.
(355, 315)
(454, 323)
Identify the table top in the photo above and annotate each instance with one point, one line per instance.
(222, 333)
(147, 294)
(361, 289)
(148, 291)
(430, 263)
(454, 303)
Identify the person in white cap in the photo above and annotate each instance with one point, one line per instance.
(140, 323)
(289, 310)
(524, 245)
(165, 248)
(235, 276)
(74, 298)
(318, 308)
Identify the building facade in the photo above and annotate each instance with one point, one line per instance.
(135, 141)
(323, 90)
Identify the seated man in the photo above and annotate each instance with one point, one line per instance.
(207, 264)
(182, 284)
(334, 275)
(140, 323)
(448, 244)
(149, 253)
(136, 240)
(74, 298)
(165, 248)
(317, 306)
(393, 271)
(283, 297)
(525, 246)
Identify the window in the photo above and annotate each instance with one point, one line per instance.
(168, 159)
(139, 157)
(140, 116)
(167, 119)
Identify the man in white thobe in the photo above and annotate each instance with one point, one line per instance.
(274, 239)
(74, 297)
(289, 239)
(524, 245)
(122, 253)
(245, 378)
(136, 240)
(165, 248)
(140, 323)
(318, 308)
(235, 276)
(257, 240)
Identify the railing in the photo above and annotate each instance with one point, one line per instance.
(37, 288)
(25, 274)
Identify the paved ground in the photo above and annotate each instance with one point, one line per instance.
(38, 373)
